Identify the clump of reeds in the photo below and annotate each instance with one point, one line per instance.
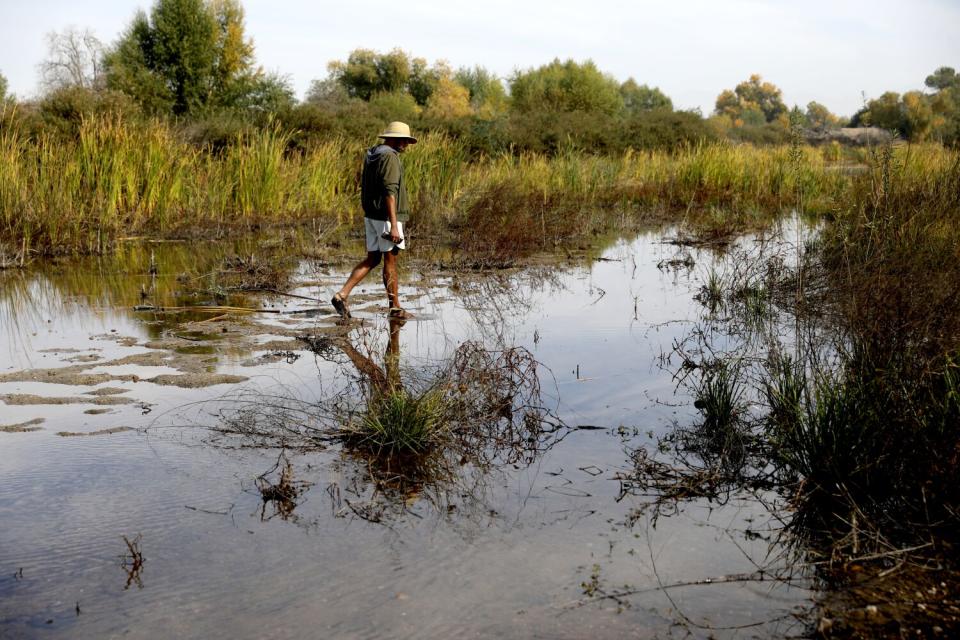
(481, 403)
(399, 422)
(865, 431)
(868, 457)
(712, 292)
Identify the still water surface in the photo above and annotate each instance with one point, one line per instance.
(518, 550)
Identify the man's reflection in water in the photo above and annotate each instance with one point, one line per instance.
(400, 479)
(384, 380)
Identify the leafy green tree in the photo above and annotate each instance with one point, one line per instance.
(358, 75)
(263, 92)
(396, 105)
(181, 36)
(564, 87)
(132, 68)
(187, 56)
(750, 99)
(425, 80)
(3, 87)
(487, 95)
(366, 72)
(638, 98)
(945, 105)
(911, 115)
(943, 78)
(885, 112)
(393, 70)
(946, 115)
(819, 117)
(327, 93)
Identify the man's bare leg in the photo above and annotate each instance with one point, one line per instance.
(391, 282)
(359, 273)
(391, 278)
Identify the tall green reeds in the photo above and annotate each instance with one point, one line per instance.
(119, 178)
(873, 432)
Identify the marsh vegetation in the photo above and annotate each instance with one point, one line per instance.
(805, 367)
(118, 180)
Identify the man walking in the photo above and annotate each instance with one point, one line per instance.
(383, 194)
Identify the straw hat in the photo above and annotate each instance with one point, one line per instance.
(398, 130)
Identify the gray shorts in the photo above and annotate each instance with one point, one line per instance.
(375, 240)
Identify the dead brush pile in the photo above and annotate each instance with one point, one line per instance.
(251, 273)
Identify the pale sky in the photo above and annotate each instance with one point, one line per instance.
(832, 51)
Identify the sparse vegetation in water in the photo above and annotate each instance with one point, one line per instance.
(712, 292)
(482, 403)
(851, 385)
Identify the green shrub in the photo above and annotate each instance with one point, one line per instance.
(770, 133)
(719, 396)
(661, 129)
(400, 422)
(62, 111)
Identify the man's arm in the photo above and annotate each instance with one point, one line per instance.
(391, 184)
(392, 217)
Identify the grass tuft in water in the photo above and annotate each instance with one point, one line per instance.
(401, 422)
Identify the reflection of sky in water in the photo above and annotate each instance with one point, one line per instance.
(505, 561)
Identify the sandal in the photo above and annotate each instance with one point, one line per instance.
(399, 313)
(340, 304)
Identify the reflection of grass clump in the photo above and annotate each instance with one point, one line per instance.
(712, 292)
(719, 396)
(401, 422)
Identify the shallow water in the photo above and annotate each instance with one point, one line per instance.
(513, 550)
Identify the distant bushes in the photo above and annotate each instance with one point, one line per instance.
(553, 132)
(760, 134)
(664, 129)
(534, 131)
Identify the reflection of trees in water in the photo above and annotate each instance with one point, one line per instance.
(499, 300)
(132, 562)
(492, 415)
(167, 274)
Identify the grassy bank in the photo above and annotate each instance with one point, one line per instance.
(878, 438)
(115, 179)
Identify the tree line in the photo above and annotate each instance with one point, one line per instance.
(191, 61)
